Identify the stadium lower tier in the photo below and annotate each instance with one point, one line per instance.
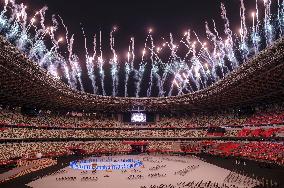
(264, 151)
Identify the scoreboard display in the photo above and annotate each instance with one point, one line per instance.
(138, 118)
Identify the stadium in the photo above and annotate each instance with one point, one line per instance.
(193, 112)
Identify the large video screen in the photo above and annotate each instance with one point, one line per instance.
(138, 118)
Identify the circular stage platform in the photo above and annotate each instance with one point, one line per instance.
(105, 164)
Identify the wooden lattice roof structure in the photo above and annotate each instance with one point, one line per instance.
(260, 79)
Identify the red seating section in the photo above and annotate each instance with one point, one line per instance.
(266, 118)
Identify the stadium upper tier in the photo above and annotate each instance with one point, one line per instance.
(22, 83)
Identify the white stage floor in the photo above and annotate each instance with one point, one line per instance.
(118, 179)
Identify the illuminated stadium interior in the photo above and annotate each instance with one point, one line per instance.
(181, 94)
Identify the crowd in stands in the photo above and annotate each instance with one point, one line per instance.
(255, 150)
(268, 116)
(48, 126)
(30, 150)
(25, 133)
(42, 133)
(261, 151)
(72, 123)
(203, 120)
(46, 119)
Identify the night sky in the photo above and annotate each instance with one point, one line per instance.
(134, 18)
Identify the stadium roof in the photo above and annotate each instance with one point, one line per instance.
(23, 83)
